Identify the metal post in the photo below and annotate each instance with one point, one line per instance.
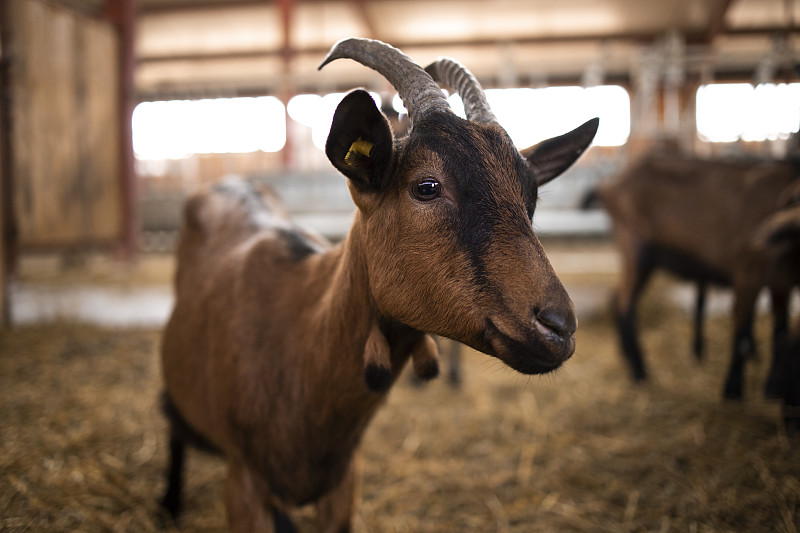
(7, 221)
(122, 13)
(287, 90)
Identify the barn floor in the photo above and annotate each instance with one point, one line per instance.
(83, 447)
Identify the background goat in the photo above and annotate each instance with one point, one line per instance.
(778, 238)
(281, 348)
(696, 218)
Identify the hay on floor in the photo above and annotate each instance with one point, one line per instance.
(83, 445)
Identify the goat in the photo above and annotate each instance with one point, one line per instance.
(778, 240)
(695, 218)
(788, 197)
(281, 347)
(790, 352)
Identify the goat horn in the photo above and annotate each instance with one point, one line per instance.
(455, 75)
(419, 92)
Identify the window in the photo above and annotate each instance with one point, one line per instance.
(179, 128)
(732, 111)
(533, 115)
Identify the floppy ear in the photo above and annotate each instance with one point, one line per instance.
(552, 157)
(360, 143)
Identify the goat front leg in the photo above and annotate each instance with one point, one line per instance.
(335, 510)
(248, 504)
(637, 266)
(699, 314)
(454, 363)
(425, 358)
(777, 378)
(172, 501)
(743, 344)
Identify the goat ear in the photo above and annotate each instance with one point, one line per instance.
(360, 142)
(552, 157)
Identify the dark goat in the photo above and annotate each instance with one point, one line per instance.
(789, 197)
(281, 347)
(696, 218)
(790, 352)
(778, 239)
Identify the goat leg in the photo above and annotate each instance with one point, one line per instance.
(172, 497)
(699, 313)
(248, 504)
(637, 266)
(336, 509)
(425, 358)
(777, 378)
(743, 344)
(454, 363)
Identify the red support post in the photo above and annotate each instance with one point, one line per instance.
(8, 240)
(287, 91)
(122, 14)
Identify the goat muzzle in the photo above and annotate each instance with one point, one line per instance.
(541, 347)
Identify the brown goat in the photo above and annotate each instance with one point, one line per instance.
(696, 218)
(778, 238)
(281, 347)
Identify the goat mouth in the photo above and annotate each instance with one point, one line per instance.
(542, 351)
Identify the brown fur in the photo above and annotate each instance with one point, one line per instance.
(281, 348)
(778, 238)
(702, 214)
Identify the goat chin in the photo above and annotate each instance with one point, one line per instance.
(541, 351)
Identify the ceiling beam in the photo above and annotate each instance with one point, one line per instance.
(403, 45)
(167, 6)
(171, 6)
(644, 38)
(716, 22)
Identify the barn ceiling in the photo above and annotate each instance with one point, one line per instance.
(246, 46)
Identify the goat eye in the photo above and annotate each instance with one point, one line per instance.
(426, 189)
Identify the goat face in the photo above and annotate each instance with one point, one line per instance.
(449, 245)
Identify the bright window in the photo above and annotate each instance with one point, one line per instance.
(733, 111)
(533, 115)
(179, 128)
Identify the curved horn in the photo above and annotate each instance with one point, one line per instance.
(419, 92)
(452, 73)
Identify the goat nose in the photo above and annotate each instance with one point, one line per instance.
(561, 321)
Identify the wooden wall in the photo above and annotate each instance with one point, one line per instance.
(65, 127)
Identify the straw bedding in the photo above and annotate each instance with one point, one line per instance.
(83, 445)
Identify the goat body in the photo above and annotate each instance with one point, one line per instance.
(696, 218)
(240, 288)
(281, 347)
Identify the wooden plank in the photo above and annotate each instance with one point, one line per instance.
(100, 148)
(7, 240)
(66, 129)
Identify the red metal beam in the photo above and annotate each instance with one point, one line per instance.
(166, 6)
(638, 37)
(404, 45)
(8, 241)
(287, 91)
(122, 13)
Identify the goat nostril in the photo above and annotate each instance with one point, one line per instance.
(561, 322)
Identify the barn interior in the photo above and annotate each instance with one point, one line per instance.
(112, 112)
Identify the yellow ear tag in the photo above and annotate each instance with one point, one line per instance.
(361, 147)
